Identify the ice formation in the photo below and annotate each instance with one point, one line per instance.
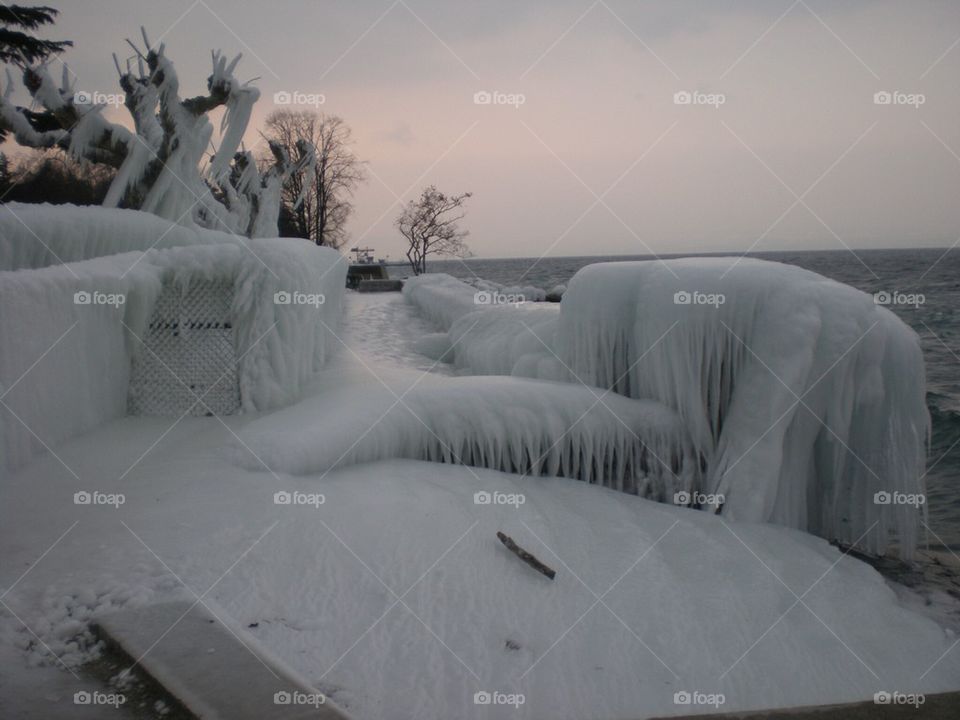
(159, 165)
(515, 425)
(286, 304)
(487, 336)
(65, 366)
(804, 398)
(35, 236)
(442, 298)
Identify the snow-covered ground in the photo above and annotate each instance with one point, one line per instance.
(394, 596)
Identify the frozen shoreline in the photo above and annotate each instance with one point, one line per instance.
(322, 576)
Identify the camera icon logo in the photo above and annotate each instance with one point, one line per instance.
(481, 698)
(681, 498)
(682, 297)
(881, 698)
(882, 498)
(81, 97)
(282, 98)
(681, 697)
(82, 498)
(483, 298)
(82, 697)
(882, 98)
(82, 297)
(482, 498)
(282, 498)
(282, 298)
(882, 298)
(682, 97)
(282, 697)
(482, 97)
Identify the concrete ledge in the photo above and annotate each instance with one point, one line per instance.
(943, 706)
(380, 286)
(209, 671)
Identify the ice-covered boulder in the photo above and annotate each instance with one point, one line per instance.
(805, 397)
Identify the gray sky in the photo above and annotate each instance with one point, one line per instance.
(599, 158)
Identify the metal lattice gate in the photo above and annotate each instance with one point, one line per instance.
(189, 352)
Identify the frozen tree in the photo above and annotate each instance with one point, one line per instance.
(159, 164)
(323, 213)
(431, 226)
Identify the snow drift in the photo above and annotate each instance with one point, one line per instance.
(35, 236)
(804, 396)
(527, 427)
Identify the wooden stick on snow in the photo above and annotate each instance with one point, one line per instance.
(525, 556)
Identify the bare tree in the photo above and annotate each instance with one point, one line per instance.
(430, 225)
(322, 216)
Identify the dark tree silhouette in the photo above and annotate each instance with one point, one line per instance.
(323, 214)
(53, 177)
(430, 225)
(18, 45)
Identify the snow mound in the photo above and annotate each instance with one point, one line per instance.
(804, 396)
(35, 236)
(522, 426)
(690, 602)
